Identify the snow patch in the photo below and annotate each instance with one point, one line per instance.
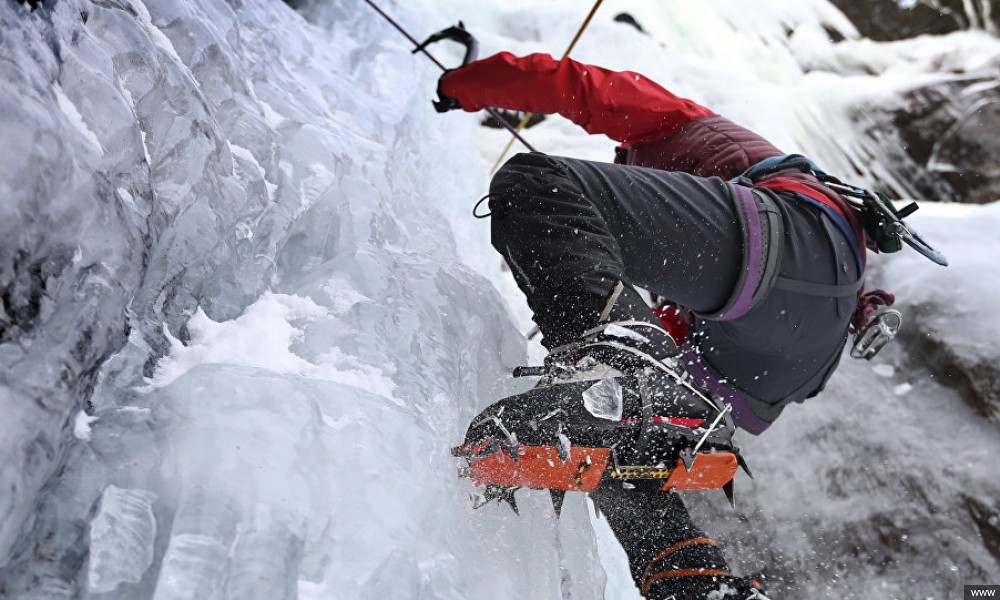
(81, 426)
(263, 337)
(342, 296)
(902, 389)
(884, 370)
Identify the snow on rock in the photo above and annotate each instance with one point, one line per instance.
(81, 425)
(954, 324)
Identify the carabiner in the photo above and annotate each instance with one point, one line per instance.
(876, 334)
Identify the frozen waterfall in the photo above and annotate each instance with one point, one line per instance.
(246, 312)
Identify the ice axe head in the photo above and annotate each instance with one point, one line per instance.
(455, 33)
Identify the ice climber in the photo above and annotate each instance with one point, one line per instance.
(764, 260)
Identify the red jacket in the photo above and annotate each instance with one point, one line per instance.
(655, 127)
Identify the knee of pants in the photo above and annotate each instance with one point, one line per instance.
(531, 192)
(531, 184)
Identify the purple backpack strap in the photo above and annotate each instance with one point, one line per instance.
(762, 243)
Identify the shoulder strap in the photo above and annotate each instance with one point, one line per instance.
(775, 164)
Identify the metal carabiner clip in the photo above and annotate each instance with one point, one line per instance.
(879, 332)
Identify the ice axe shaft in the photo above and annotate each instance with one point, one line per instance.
(527, 116)
(492, 112)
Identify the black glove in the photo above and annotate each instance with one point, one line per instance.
(459, 34)
(444, 103)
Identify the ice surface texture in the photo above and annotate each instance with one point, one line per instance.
(122, 535)
(164, 164)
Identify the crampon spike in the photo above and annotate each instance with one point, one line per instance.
(730, 493)
(562, 449)
(500, 494)
(508, 497)
(557, 500)
(688, 457)
(481, 501)
(743, 465)
(511, 452)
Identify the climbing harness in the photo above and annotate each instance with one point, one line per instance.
(874, 324)
(883, 222)
(527, 116)
(763, 229)
(451, 33)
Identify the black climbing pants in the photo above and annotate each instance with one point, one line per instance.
(571, 229)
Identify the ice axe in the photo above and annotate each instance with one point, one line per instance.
(492, 112)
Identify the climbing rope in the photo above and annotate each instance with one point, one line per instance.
(421, 48)
(527, 117)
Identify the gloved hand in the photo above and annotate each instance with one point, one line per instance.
(444, 103)
(459, 34)
(868, 305)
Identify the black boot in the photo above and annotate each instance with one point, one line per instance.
(627, 338)
(609, 406)
(669, 556)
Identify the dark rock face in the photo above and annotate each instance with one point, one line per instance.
(885, 20)
(952, 130)
(968, 154)
(884, 499)
(988, 521)
(943, 141)
(965, 364)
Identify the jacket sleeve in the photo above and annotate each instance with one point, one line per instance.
(625, 106)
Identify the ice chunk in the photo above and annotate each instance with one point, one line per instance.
(266, 557)
(604, 399)
(625, 332)
(884, 370)
(192, 568)
(565, 446)
(203, 532)
(121, 538)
